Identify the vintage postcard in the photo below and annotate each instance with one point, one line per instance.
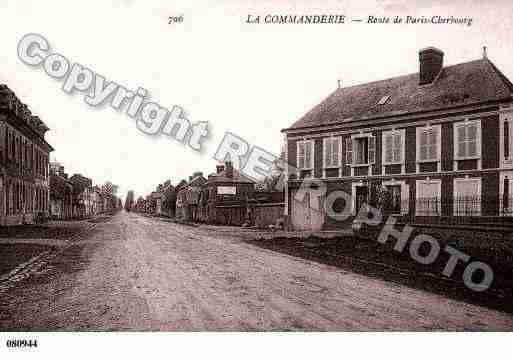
(243, 166)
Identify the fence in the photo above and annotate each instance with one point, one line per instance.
(260, 215)
(482, 210)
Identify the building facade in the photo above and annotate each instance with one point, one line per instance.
(188, 197)
(82, 196)
(24, 163)
(61, 193)
(167, 200)
(431, 146)
(225, 197)
(97, 201)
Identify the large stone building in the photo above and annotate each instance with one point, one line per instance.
(439, 142)
(24, 158)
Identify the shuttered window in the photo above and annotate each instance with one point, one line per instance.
(305, 154)
(362, 150)
(428, 143)
(467, 140)
(349, 151)
(332, 147)
(372, 150)
(393, 147)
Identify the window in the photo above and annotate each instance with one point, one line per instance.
(393, 147)
(384, 100)
(397, 197)
(427, 198)
(361, 150)
(305, 154)
(361, 197)
(467, 140)
(467, 196)
(331, 152)
(428, 143)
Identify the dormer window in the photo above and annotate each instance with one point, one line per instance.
(384, 100)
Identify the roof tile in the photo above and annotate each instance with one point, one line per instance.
(463, 84)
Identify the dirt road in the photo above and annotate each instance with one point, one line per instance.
(139, 273)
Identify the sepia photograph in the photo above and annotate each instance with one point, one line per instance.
(302, 178)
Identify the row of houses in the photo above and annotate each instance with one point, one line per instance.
(76, 197)
(224, 197)
(30, 189)
(24, 158)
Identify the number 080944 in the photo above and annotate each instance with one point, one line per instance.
(21, 343)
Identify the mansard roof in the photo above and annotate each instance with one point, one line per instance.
(10, 102)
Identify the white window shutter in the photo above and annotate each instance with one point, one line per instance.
(328, 152)
(388, 148)
(308, 154)
(349, 151)
(310, 146)
(422, 140)
(461, 137)
(372, 150)
(397, 147)
(472, 139)
(336, 152)
(325, 151)
(434, 141)
(402, 149)
(300, 155)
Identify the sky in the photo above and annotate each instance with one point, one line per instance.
(250, 79)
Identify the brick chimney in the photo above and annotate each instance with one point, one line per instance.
(219, 169)
(431, 62)
(229, 169)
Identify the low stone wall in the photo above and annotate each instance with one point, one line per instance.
(230, 215)
(259, 215)
(266, 214)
